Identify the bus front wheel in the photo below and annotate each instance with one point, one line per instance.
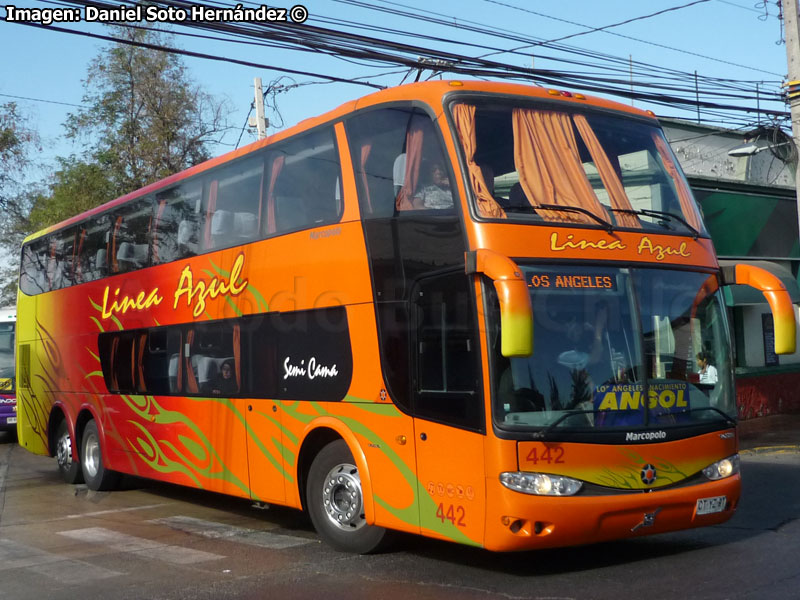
(96, 475)
(69, 468)
(336, 502)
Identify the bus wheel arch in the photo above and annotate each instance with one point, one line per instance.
(317, 435)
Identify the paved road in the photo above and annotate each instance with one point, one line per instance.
(158, 541)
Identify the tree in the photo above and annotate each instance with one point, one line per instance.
(17, 141)
(145, 118)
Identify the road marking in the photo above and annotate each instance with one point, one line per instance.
(253, 537)
(136, 545)
(14, 555)
(97, 513)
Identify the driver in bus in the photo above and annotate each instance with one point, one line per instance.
(437, 193)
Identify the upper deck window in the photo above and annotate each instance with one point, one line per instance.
(534, 163)
(399, 163)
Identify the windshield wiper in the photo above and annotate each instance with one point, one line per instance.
(649, 212)
(606, 225)
(542, 434)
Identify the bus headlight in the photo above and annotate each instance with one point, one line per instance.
(540, 484)
(722, 468)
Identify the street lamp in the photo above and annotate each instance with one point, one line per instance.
(751, 148)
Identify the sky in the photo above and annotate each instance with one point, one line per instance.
(43, 70)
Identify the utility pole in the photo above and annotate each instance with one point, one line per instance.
(792, 35)
(260, 121)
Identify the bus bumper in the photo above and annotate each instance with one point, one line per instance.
(517, 521)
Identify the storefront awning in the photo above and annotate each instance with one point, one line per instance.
(742, 295)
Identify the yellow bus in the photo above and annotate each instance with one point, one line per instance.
(481, 312)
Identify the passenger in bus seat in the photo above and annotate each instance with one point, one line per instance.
(708, 372)
(225, 382)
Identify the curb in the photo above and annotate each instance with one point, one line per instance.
(789, 449)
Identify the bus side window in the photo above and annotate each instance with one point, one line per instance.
(302, 188)
(232, 204)
(130, 241)
(393, 151)
(177, 223)
(34, 263)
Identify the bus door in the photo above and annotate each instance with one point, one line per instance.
(448, 409)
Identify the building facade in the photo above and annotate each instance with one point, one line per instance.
(750, 208)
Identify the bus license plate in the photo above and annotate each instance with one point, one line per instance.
(707, 506)
(11, 420)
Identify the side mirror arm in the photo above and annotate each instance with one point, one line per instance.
(777, 297)
(516, 312)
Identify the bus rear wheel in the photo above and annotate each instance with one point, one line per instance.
(336, 502)
(96, 475)
(70, 469)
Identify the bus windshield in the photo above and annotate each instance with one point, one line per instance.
(618, 347)
(533, 163)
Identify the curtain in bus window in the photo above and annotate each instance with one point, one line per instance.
(414, 139)
(191, 378)
(366, 149)
(549, 164)
(464, 117)
(275, 170)
(616, 192)
(141, 387)
(684, 195)
(78, 264)
(237, 358)
(212, 207)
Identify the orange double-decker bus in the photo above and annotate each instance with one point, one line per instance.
(487, 313)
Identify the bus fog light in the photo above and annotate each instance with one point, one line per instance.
(722, 468)
(540, 484)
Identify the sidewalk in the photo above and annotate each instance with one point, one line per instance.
(773, 433)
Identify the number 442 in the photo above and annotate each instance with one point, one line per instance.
(454, 514)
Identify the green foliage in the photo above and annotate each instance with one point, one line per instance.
(76, 187)
(145, 117)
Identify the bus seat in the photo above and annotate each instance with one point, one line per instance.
(206, 372)
(399, 172)
(131, 256)
(172, 372)
(100, 264)
(245, 224)
(125, 257)
(187, 235)
(222, 223)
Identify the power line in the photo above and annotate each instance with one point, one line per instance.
(648, 42)
(362, 47)
(197, 54)
(42, 100)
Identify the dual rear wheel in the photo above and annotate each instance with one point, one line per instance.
(89, 467)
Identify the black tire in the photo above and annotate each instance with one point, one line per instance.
(95, 474)
(69, 468)
(335, 502)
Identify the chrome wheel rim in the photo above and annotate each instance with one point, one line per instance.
(91, 458)
(342, 498)
(64, 451)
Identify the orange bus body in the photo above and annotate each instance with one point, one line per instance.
(417, 475)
